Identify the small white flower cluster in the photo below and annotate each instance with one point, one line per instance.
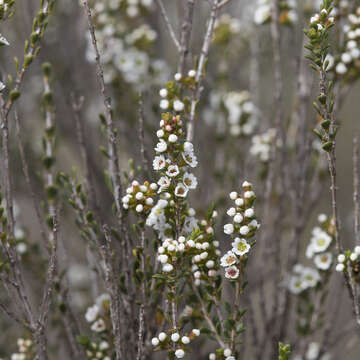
(288, 14)
(165, 342)
(170, 95)
(25, 348)
(243, 227)
(241, 113)
(319, 248)
(227, 355)
(205, 252)
(124, 47)
(262, 143)
(98, 351)
(319, 21)
(21, 245)
(139, 197)
(349, 60)
(303, 278)
(173, 158)
(351, 258)
(95, 314)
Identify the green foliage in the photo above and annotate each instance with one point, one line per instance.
(284, 351)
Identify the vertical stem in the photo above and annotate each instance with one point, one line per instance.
(356, 189)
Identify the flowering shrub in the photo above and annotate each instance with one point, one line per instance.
(140, 236)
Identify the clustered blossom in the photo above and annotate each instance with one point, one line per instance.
(350, 259)
(173, 161)
(303, 278)
(288, 14)
(95, 314)
(140, 197)
(321, 243)
(243, 227)
(25, 350)
(348, 62)
(262, 144)
(124, 42)
(320, 21)
(171, 94)
(320, 251)
(166, 341)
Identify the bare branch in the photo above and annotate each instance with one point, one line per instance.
(168, 24)
(356, 189)
(144, 157)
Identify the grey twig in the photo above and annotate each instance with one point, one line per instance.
(356, 189)
(143, 152)
(168, 24)
(200, 68)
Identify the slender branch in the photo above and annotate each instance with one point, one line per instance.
(168, 24)
(143, 152)
(185, 36)
(356, 189)
(200, 68)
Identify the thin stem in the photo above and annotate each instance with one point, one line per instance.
(356, 189)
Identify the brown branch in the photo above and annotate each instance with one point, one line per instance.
(143, 151)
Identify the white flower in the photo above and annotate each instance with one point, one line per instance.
(190, 158)
(98, 326)
(210, 264)
(212, 356)
(92, 313)
(190, 181)
(353, 256)
(357, 249)
(173, 138)
(244, 230)
(331, 60)
(240, 246)
(323, 261)
(228, 259)
(232, 272)
(161, 146)
(192, 73)
(238, 218)
(320, 241)
(139, 195)
(249, 213)
(340, 267)
(21, 248)
(163, 92)
(163, 258)
(341, 258)
(139, 208)
(172, 171)
(188, 147)
(227, 352)
(155, 341)
(296, 285)
(178, 105)
(164, 104)
(310, 277)
(167, 268)
(346, 58)
(181, 190)
(239, 202)
(233, 195)
(175, 337)
(322, 218)
(104, 345)
(177, 76)
(228, 229)
(185, 340)
(164, 183)
(149, 201)
(341, 68)
(196, 332)
(159, 162)
(2, 86)
(179, 353)
(162, 336)
(231, 212)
